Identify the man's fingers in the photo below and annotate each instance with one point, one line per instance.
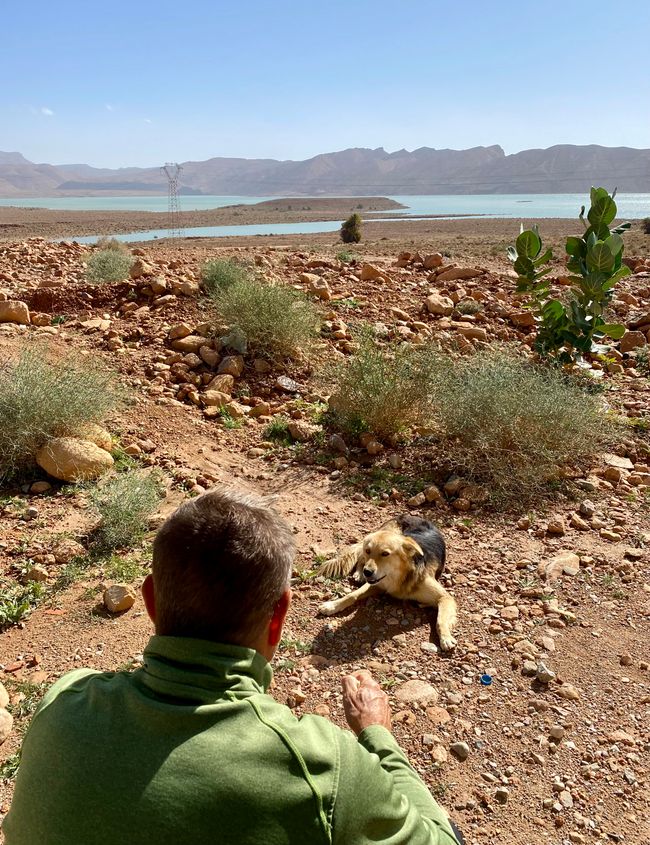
(350, 684)
(362, 675)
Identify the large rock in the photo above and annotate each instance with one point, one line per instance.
(4, 697)
(140, 268)
(232, 365)
(14, 311)
(97, 435)
(70, 459)
(189, 343)
(215, 398)
(566, 563)
(6, 724)
(437, 304)
(432, 261)
(369, 273)
(118, 598)
(223, 382)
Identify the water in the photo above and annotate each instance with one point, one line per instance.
(631, 206)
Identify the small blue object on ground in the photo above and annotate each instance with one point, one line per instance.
(486, 680)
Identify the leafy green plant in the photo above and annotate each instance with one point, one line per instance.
(276, 321)
(278, 429)
(123, 504)
(41, 398)
(351, 229)
(108, 265)
(221, 273)
(228, 421)
(568, 331)
(382, 391)
(345, 256)
(17, 602)
(9, 767)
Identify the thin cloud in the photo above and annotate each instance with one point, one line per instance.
(146, 120)
(109, 107)
(47, 112)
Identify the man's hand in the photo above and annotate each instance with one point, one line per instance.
(364, 702)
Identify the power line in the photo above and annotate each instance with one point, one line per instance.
(172, 171)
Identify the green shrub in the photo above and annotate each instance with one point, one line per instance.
(569, 330)
(469, 306)
(509, 424)
(123, 504)
(221, 273)
(382, 391)
(108, 265)
(278, 429)
(41, 398)
(351, 229)
(345, 256)
(276, 321)
(17, 602)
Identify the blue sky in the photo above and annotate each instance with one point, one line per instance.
(138, 83)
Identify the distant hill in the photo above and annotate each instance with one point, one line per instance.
(480, 170)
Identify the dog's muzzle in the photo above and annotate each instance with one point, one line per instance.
(373, 580)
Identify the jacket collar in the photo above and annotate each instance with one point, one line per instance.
(202, 671)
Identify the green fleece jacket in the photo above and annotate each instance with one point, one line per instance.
(189, 750)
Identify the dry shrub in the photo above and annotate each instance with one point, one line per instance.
(510, 425)
(41, 398)
(221, 273)
(123, 504)
(276, 321)
(351, 229)
(383, 391)
(108, 265)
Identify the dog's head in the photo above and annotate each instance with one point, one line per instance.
(388, 557)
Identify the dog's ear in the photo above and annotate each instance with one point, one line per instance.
(413, 551)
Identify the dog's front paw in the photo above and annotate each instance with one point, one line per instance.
(447, 642)
(328, 608)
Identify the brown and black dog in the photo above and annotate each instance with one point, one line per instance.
(404, 558)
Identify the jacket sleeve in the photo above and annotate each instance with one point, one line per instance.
(380, 798)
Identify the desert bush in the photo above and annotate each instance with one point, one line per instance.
(645, 225)
(276, 321)
(567, 331)
(509, 424)
(351, 229)
(221, 273)
(469, 306)
(41, 398)
(123, 504)
(17, 602)
(382, 391)
(108, 265)
(345, 256)
(112, 243)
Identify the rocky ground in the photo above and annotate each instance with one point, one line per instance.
(554, 604)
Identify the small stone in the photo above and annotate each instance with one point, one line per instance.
(4, 697)
(566, 563)
(556, 526)
(557, 732)
(296, 697)
(441, 305)
(118, 598)
(543, 674)
(67, 550)
(37, 573)
(416, 501)
(432, 493)
(587, 508)
(569, 692)
(566, 799)
(231, 365)
(625, 659)
(322, 710)
(6, 721)
(579, 523)
(40, 487)
(608, 534)
(460, 750)
(430, 648)
(416, 691)
(438, 715)
(502, 794)
(439, 754)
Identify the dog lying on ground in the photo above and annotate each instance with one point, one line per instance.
(404, 558)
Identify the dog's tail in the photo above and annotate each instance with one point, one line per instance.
(343, 564)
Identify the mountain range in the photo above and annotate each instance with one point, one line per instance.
(564, 168)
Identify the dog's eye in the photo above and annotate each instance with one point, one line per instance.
(368, 552)
(385, 554)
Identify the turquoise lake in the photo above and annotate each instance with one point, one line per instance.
(513, 206)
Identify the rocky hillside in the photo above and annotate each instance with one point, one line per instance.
(480, 170)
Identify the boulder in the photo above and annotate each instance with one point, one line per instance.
(4, 697)
(215, 398)
(417, 691)
(14, 311)
(190, 343)
(223, 382)
(232, 365)
(71, 459)
(432, 261)
(302, 431)
(118, 598)
(437, 304)
(140, 268)
(458, 273)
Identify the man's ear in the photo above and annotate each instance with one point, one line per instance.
(277, 620)
(412, 550)
(149, 599)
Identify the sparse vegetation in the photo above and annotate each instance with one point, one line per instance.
(469, 306)
(112, 243)
(345, 256)
(351, 229)
(221, 273)
(382, 391)
(510, 425)
(276, 321)
(16, 602)
(109, 265)
(123, 504)
(41, 398)
(278, 429)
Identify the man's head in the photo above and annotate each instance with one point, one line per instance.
(221, 568)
